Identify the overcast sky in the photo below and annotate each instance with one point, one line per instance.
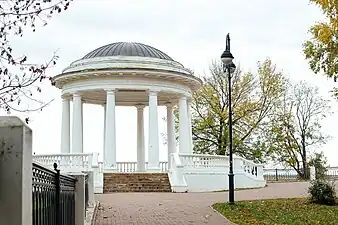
(191, 32)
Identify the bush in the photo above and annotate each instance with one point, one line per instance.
(322, 192)
(319, 161)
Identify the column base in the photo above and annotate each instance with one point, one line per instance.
(154, 168)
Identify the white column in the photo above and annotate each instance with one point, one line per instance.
(110, 135)
(153, 142)
(65, 127)
(140, 139)
(77, 138)
(183, 126)
(104, 126)
(171, 139)
(191, 146)
(82, 122)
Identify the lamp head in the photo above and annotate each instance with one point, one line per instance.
(227, 57)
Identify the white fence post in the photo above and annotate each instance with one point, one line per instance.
(91, 188)
(80, 205)
(15, 172)
(312, 173)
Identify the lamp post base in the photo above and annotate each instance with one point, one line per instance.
(231, 188)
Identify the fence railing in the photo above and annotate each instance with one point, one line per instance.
(275, 174)
(53, 197)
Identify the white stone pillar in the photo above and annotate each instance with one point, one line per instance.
(171, 139)
(65, 127)
(183, 126)
(153, 142)
(104, 126)
(191, 146)
(82, 122)
(140, 139)
(110, 135)
(77, 133)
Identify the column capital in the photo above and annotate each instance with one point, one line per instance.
(65, 99)
(183, 97)
(110, 91)
(139, 106)
(76, 94)
(152, 92)
(169, 105)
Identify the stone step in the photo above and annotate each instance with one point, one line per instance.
(136, 182)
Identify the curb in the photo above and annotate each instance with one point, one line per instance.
(96, 207)
(226, 219)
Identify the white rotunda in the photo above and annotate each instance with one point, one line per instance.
(127, 74)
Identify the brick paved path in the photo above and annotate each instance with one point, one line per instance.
(181, 208)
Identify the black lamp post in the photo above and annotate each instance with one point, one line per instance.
(229, 66)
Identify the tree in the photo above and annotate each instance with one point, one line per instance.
(253, 99)
(295, 127)
(19, 77)
(321, 50)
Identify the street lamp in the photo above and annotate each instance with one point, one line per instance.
(229, 66)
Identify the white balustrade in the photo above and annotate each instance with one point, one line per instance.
(176, 176)
(126, 167)
(193, 172)
(67, 162)
(249, 167)
(131, 167)
(204, 161)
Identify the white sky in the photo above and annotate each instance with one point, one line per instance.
(191, 32)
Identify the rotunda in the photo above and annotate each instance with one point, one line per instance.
(127, 74)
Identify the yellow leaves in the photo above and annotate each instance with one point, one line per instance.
(323, 33)
(328, 6)
(322, 49)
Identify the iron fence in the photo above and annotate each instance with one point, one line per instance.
(53, 197)
(86, 192)
(276, 174)
(280, 174)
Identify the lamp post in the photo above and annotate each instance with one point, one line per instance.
(229, 67)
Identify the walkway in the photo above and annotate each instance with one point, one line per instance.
(181, 208)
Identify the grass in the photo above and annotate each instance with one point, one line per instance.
(278, 211)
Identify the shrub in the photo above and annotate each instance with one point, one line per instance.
(319, 161)
(322, 192)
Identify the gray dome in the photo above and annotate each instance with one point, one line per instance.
(127, 49)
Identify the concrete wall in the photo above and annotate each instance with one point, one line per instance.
(15, 172)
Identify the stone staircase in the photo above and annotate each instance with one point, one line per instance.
(136, 182)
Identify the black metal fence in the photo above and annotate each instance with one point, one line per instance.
(86, 193)
(290, 174)
(53, 197)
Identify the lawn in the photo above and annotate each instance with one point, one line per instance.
(278, 211)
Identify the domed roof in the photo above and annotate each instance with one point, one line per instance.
(127, 49)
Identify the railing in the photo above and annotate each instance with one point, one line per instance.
(275, 174)
(131, 167)
(203, 161)
(86, 193)
(332, 173)
(221, 163)
(178, 182)
(69, 162)
(249, 167)
(53, 197)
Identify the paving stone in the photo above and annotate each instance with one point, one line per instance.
(182, 208)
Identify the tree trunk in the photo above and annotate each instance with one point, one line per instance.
(305, 173)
